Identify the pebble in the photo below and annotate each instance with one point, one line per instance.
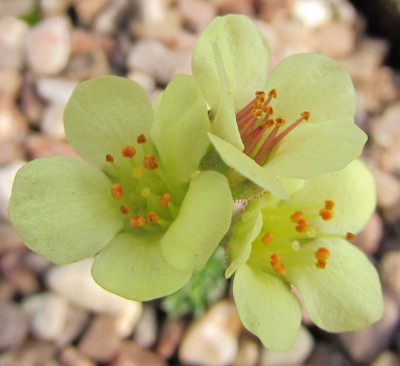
(390, 272)
(105, 22)
(55, 90)
(145, 80)
(12, 122)
(32, 353)
(9, 239)
(248, 353)
(170, 337)
(75, 282)
(146, 331)
(153, 58)
(42, 146)
(387, 358)
(296, 355)
(70, 356)
(48, 46)
(364, 346)
(87, 10)
(16, 8)
(52, 123)
(88, 65)
(9, 152)
(7, 290)
(48, 315)
(77, 320)
(54, 7)
(12, 34)
(388, 189)
(14, 325)
(369, 238)
(213, 338)
(131, 355)
(101, 341)
(197, 14)
(7, 174)
(10, 84)
(312, 13)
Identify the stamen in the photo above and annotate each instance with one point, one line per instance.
(137, 221)
(277, 265)
(297, 216)
(329, 204)
(125, 209)
(326, 214)
(302, 226)
(141, 139)
(109, 158)
(150, 162)
(128, 151)
(267, 238)
(152, 217)
(350, 236)
(165, 199)
(322, 254)
(116, 191)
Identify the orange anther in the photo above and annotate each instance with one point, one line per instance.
(329, 204)
(273, 93)
(350, 236)
(109, 158)
(277, 265)
(257, 112)
(280, 121)
(322, 254)
(305, 115)
(326, 214)
(321, 264)
(125, 209)
(116, 191)
(128, 151)
(302, 226)
(141, 139)
(137, 221)
(267, 238)
(150, 162)
(165, 199)
(297, 216)
(269, 110)
(152, 217)
(260, 94)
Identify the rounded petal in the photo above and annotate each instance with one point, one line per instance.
(346, 295)
(353, 191)
(313, 83)
(104, 114)
(267, 307)
(180, 130)
(244, 59)
(202, 221)
(247, 167)
(313, 149)
(63, 209)
(134, 267)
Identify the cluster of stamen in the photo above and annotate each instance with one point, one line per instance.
(294, 229)
(259, 130)
(131, 199)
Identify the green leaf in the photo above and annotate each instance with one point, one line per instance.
(180, 131)
(134, 267)
(63, 209)
(244, 57)
(267, 307)
(105, 114)
(202, 221)
(346, 295)
(247, 167)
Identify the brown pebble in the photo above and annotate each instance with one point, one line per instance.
(14, 325)
(170, 337)
(131, 355)
(72, 357)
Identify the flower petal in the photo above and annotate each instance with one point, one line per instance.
(246, 231)
(180, 131)
(63, 208)
(313, 149)
(203, 219)
(346, 295)
(247, 167)
(267, 307)
(245, 59)
(134, 267)
(313, 83)
(104, 114)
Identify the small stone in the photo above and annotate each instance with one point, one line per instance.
(72, 357)
(10, 151)
(48, 46)
(388, 189)
(212, 339)
(170, 337)
(48, 314)
(16, 8)
(7, 291)
(106, 21)
(10, 84)
(77, 319)
(364, 346)
(127, 319)
(12, 121)
(12, 35)
(88, 65)
(55, 90)
(369, 238)
(197, 14)
(101, 341)
(14, 325)
(145, 80)
(7, 174)
(312, 13)
(146, 329)
(153, 58)
(35, 262)
(42, 146)
(9, 239)
(131, 355)
(54, 7)
(296, 355)
(387, 358)
(390, 271)
(87, 10)
(31, 353)
(248, 353)
(75, 282)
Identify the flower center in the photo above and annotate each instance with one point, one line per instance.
(286, 229)
(257, 128)
(140, 188)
